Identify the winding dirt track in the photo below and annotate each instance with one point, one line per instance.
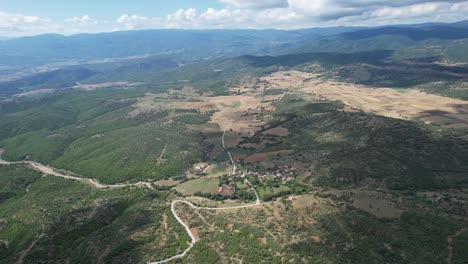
(234, 167)
(187, 228)
(54, 172)
(450, 241)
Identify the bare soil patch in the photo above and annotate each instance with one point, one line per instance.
(195, 233)
(147, 104)
(277, 131)
(286, 79)
(91, 87)
(249, 145)
(230, 111)
(35, 92)
(166, 183)
(412, 104)
(256, 157)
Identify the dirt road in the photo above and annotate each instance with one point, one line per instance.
(54, 172)
(234, 167)
(450, 241)
(187, 228)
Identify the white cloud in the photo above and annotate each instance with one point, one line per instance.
(281, 14)
(13, 24)
(183, 15)
(255, 4)
(416, 13)
(133, 21)
(81, 21)
(286, 14)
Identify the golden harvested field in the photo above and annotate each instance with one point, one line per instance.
(232, 112)
(412, 104)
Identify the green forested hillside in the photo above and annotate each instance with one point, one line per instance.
(263, 125)
(72, 221)
(65, 130)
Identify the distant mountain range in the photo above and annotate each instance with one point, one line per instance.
(204, 44)
(185, 44)
(159, 56)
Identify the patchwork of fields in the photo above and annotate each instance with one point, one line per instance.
(328, 158)
(403, 104)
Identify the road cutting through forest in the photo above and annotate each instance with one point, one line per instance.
(47, 170)
(187, 228)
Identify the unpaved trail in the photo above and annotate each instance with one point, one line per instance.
(160, 159)
(214, 165)
(282, 96)
(53, 172)
(187, 228)
(450, 241)
(25, 252)
(234, 166)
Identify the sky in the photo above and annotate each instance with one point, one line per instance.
(33, 17)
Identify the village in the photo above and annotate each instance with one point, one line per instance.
(230, 184)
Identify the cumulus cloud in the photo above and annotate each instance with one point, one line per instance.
(305, 13)
(133, 21)
(181, 18)
(12, 24)
(81, 21)
(280, 14)
(422, 12)
(255, 4)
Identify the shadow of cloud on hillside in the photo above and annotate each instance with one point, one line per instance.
(396, 153)
(399, 75)
(439, 32)
(326, 59)
(458, 118)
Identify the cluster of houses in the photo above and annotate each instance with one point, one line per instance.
(227, 190)
(285, 174)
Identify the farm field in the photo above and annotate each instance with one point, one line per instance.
(412, 104)
(198, 185)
